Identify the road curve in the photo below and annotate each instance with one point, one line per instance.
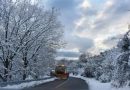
(69, 84)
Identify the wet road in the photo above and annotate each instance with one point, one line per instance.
(69, 84)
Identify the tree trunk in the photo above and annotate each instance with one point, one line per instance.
(6, 69)
(25, 66)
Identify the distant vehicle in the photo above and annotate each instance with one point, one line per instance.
(60, 72)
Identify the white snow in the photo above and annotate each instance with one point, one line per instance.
(96, 85)
(28, 84)
(29, 77)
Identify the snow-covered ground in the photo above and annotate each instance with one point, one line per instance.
(96, 85)
(27, 84)
(31, 78)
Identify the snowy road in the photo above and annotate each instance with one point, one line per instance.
(70, 84)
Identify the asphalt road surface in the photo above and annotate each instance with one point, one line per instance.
(69, 84)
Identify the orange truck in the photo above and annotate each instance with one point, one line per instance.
(60, 72)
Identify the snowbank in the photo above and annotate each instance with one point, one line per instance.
(31, 78)
(96, 85)
(27, 84)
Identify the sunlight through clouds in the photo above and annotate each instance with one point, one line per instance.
(85, 4)
(92, 20)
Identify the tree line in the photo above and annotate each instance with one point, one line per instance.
(111, 65)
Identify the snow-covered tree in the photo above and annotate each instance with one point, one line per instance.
(93, 66)
(84, 57)
(108, 64)
(121, 65)
(29, 35)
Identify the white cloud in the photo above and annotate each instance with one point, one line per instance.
(99, 20)
(85, 4)
(108, 21)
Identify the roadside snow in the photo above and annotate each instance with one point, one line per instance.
(96, 85)
(27, 84)
(31, 78)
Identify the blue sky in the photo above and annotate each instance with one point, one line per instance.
(91, 25)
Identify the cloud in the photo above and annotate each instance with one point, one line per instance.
(81, 43)
(112, 41)
(62, 4)
(119, 7)
(85, 4)
(90, 25)
(114, 10)
(68, 54)
(72, 54)
(109, 19)
(67, 8)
